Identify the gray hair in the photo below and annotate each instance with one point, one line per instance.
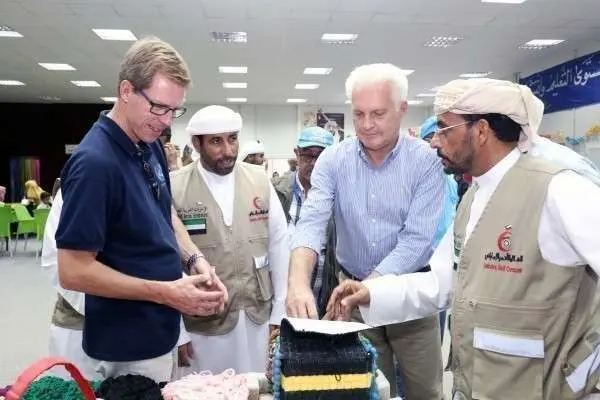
(378, 73)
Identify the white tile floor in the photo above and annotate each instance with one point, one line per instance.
(27, 299)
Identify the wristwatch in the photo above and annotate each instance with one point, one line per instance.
(192, 260)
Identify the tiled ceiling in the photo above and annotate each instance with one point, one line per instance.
(283, 39)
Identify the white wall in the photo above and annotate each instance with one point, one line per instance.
(277, 126)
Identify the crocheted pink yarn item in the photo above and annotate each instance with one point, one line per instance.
(206, 386)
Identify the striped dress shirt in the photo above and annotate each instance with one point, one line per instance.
(386, 217)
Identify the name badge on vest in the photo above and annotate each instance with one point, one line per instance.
(194, 219)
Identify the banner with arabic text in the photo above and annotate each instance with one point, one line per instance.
(573, 84)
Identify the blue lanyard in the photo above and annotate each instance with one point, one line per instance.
(298, 195)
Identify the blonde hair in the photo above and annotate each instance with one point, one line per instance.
(149, 56)
(378, 73)
(33, 191)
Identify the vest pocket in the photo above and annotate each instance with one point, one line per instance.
(265, 287)
(582, 368)
(508, 352)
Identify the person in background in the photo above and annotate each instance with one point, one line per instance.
(119, 240)
(385, 192)
(46, 202)
(232, 212)
(186, 157)
(292, 192)
(2, 194)
(33, 193)
(171, 151)
(525, 248)
(275, 175)
(253, 152)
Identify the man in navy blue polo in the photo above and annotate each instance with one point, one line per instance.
(116, 239)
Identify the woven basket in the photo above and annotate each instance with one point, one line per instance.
(34, 371)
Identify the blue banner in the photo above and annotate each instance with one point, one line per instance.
(573, 84)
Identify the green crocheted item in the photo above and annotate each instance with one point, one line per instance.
(53, 388)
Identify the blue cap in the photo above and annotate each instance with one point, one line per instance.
(314, 136)
(429, 127)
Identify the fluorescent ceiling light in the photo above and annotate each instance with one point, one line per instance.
(339, 38)
(115, 34)
(426, 95)
(317, 71)
(235, 85)
(540, 44)
(504, 1)
(109, 99)
(306, 86)
(443, 41)
(229, 37)
(86, 83)
(296, 100)
(348, 101)
(475, 75)
(7, 31)
(233, 70)
(237, 99)
(11, 83)
(49, 98)
(414, 102)
(57, 67)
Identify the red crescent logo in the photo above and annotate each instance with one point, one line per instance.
(257, 203)
(504, 241)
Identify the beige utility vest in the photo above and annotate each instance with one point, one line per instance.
(65, 316)
(522, 327)
(238, 252)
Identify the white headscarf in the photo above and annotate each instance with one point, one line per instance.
(486, 96)
(214, 120)
(251, 147)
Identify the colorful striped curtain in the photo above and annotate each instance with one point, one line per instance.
(22, 169)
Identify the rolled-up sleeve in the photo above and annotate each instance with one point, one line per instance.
(316, 211)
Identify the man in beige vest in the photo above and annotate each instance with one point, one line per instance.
(233, 215)
(525, 248)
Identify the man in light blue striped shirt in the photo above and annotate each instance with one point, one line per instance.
(386, 192)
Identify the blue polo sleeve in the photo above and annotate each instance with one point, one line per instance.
(85, 186)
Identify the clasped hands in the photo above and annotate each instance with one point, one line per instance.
(200, 294)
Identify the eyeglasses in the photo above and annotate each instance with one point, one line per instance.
(161, 109)
(444, 131)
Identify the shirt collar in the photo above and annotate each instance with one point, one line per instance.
(297, 179)
(493, 177)
(112, 129)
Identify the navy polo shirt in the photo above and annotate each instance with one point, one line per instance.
(117, 203)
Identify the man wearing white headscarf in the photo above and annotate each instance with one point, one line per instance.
(234, 216)
(252, 152)
(525, 248)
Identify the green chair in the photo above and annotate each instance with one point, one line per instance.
(6, 217)
(26, 224)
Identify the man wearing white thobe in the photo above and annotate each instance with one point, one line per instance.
(234, 216)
